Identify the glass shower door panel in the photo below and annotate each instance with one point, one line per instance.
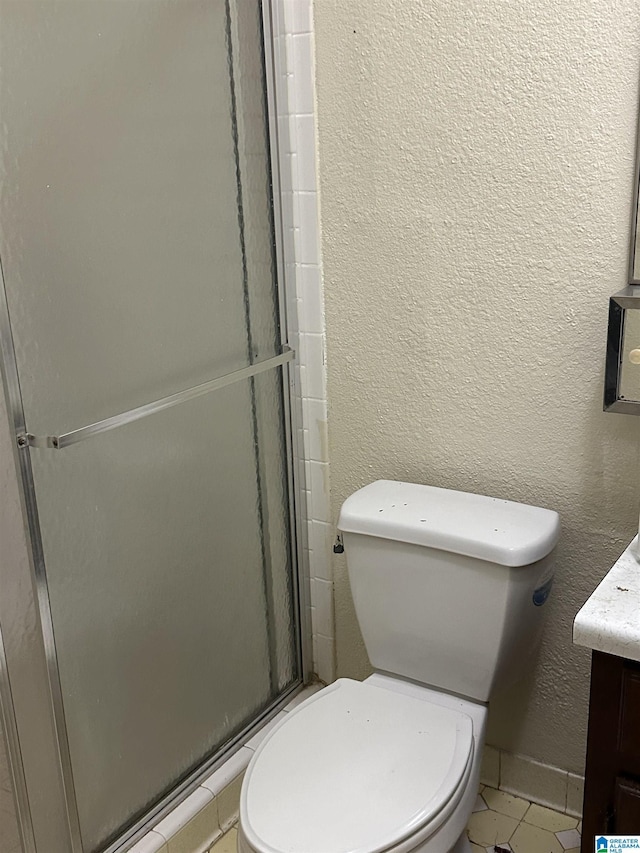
(136, 235)
(125, 145)
(169, 583)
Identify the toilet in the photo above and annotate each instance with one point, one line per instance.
(449, 589)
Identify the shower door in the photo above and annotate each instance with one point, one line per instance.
(146, 370)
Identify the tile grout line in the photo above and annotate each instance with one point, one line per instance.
(572, 834)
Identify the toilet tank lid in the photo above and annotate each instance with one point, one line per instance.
(499, 531)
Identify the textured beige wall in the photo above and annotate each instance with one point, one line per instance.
(476, 162)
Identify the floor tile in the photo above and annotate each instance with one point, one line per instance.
(548, 819)
(192, 824)
(533, 839)
(227, 844)
(516, 826)
(229, 803)
(507, 804)
(489, 827)
(569, 838)
(201, 831)
(480, 805)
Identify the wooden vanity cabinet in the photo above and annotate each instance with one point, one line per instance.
(612, 778)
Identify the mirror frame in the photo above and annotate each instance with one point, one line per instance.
(626, 300)
(621, 302)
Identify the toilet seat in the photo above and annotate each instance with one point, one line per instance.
(355, 769)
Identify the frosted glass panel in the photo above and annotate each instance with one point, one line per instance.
(157, 580)
(127, 264)
(277, 536)
(9, 832)
(137, 243)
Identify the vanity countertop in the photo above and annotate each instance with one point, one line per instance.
(609, 621)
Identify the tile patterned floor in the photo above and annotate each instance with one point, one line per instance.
(227, 844)
(509, 823)
(502, 821)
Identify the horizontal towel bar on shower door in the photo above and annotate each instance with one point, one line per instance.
(57, 442)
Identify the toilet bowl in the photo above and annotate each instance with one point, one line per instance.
(382, 765)
(448, 589)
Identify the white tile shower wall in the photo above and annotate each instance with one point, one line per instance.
(294, 46)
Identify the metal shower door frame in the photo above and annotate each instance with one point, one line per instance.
(55, 822)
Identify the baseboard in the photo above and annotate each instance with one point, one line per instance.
(530, 779)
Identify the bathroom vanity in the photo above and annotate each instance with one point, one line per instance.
(609, 624)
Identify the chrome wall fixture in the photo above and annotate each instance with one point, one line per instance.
(622, 365)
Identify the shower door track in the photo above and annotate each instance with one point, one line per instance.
(48, 714)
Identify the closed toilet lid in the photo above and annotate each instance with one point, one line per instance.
(354, 769)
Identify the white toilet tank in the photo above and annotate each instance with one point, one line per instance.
(449, 587)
